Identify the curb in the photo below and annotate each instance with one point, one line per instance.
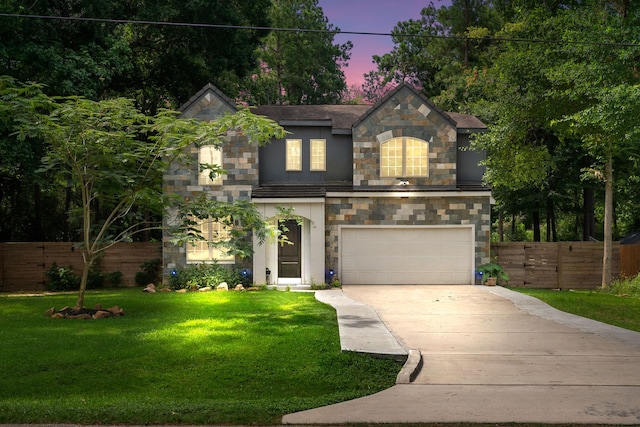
(411, 367)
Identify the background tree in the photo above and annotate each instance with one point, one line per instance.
(298, 67)
(156, 65)
(431, 52)
(115, 157)
(565, 107)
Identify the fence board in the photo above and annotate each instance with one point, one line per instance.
(511, 257)
(629, 260)
(24, 264)
(576, 265)
(541, 265)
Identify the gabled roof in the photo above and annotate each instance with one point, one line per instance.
(202, 92)
(338, 116)
(348, 116)
(393, 93)
(343, 118)
(467, 121)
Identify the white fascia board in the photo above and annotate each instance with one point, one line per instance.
(287, 201)
(406, 194)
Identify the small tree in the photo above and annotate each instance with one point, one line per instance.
(115, 157)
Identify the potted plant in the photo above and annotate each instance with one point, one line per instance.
(490, 273)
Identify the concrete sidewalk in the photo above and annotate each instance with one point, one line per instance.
(490, 355)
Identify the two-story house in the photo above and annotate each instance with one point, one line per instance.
(386, 194)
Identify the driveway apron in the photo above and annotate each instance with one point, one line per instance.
(493, 355)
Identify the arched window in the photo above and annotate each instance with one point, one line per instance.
(404, 157)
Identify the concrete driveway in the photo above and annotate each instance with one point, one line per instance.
(493, 355)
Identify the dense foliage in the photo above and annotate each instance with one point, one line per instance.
(298, 67)
(197, 276)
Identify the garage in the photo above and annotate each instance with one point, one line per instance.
(407, 255)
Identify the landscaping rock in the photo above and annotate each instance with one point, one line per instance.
(101, 314)
(85, 313)
(116, 311)
(239, 288)
(82, 316)
(223, 286)
(182, 291)
(206, 289)
(151, 288)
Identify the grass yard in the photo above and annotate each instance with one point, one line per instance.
(194, 358)
(616, 309)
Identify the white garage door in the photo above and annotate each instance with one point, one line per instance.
(407, 255)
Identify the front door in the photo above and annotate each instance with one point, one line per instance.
(289, 253)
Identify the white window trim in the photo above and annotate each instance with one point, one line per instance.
(404, 158)
(293, 161)
(322, 143)
(213, 252)
(209, 154)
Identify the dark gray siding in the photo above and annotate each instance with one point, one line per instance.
(468, 169)
(339, 159)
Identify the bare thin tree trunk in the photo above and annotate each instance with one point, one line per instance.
(536, 226)
(608, 223)
(588, 221)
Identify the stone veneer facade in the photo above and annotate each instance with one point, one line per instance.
(405, 114)
(239, 160)
(409, 211)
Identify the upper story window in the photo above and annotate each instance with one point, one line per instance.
(209, 155)
(209, 250)
(318, 155)
(403, 156)
(294, 155)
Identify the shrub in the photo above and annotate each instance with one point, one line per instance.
(95, 279)
(62, 279)
(203, 275)
(150, 272)
(625, 286)
(114, 278)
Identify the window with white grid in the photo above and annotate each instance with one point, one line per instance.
(209, 155)
(318, 155)
(404, 157)
(208, 250)
(294, 155)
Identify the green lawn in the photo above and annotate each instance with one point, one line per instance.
(195, 358)
(619, 310)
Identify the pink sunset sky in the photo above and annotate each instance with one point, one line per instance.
(369, 16)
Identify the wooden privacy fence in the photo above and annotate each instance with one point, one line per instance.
(23, 265)
(562, 265)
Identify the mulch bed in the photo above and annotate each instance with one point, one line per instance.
(85, 313)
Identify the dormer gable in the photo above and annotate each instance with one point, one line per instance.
(405, 138)
(407, 101)
(208, 104)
